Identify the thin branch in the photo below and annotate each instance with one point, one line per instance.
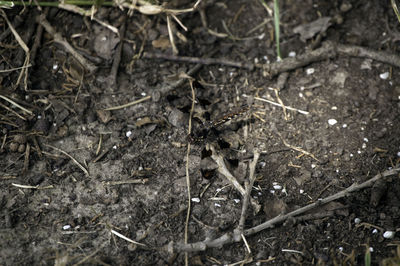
(59, 39)
(222, 169)
(198, 60)
(230, 237)
(247, 196)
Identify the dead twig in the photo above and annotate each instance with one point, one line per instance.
(329, 50)
(222, 169)
(249, 187)
(112, 78)
(230, 237)
(38, 38)
(68, 47)
(358, 51)
(167, 88)
(198, 60)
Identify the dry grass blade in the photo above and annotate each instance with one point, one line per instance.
(72, 158)
(127, 238)
(277, 104)
(24, 71)
(128, 104)
(16, 105)
(14, 69)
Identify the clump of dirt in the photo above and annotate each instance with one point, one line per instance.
(94, 157)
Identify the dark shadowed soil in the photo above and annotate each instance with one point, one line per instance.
(74, 175)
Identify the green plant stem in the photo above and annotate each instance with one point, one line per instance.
(54, 4)
(277, 30)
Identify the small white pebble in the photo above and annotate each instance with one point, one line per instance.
(292, 54)
(362, 128)
(39, 117)
(265, 58)
(313, 165)
(301, 95)
(371, 249)
(301, 191)
(143, 94)
(344, 125)
(337, 170)
(277, 187)
(357, 220)
(384, 75)
(262, 164)
(55, 66)
(310, 71)
(340, 249)
(332, 121)
(351, 155)
(398, 154)
(236, 200)
(66, 227)
(128, 134)
(115, 147)
(364, 146)
(217, 205)
(196, 200)
(365, 140)
(272, 191)
(140, 168)
(375, 231)
(359, 152)
(104, 38)
(388, 234)
(334, 108)
(259, 193)
(302, 88)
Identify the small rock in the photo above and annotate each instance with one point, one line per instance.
(21, 139)
(14, 146)
(177, 118)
